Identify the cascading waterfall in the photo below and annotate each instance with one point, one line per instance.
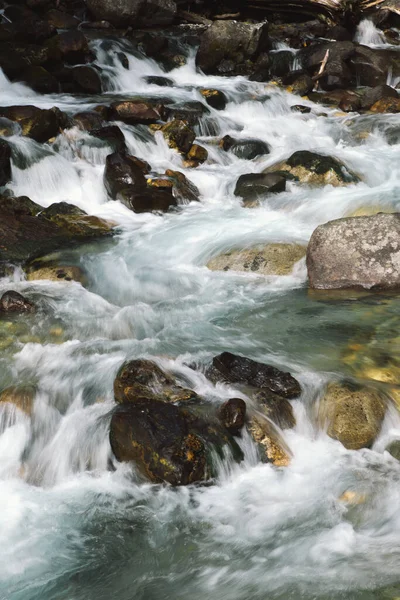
(74, 523)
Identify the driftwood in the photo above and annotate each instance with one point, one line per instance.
(329, 11)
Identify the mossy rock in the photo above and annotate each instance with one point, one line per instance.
(315, 169)
(353, 414)
(21, 396)
(272, 259)
(60, 273)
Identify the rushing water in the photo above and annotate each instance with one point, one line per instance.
(75, 525)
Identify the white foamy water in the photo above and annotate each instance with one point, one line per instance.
(75, 525)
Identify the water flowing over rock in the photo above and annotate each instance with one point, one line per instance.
(272, 259)
(13, 302)
(21, 396)
(143, 378)
(271, 445)
(353, 414)
(59, 273)
(246, 149)
(361, 252)
(26, 234)
(232, 415)
(239, 369)
(252, 186)
(315, 169)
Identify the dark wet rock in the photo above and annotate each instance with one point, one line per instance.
(38, 124)
(136, 112)
(158, 80)
(302, 85)
(183, 189)
(191, 112)
(381, 92)
(179, 135)
(232, 415)
(358, 252)
(69, 46)
(27, 26)
(353, 414)
(21, 396)
(114, 137)
(295, 35)
(5, 163)
(87, 120)
(314, 169)
(261, 70)
(142, 378)
(276, 408)
(254, 185)
(386, 105)
(214, 98)
(61, 20)
(87, 79)
(125, 181)
(233, 368)
(156, 436)
(336, 75)
(371, 66)
(27, 235)
(11, 61)
(60, 273)
(13, 302)
(40, 80)
(247, 149)
(312, 56)
(301, 109)
(146, 201)
(136, 13)
(234, 41)
(121, 172)
(198, 154)
(123, 59)
(281, 63)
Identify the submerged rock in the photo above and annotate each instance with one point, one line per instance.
(356, 252)
(251, 186)
(232, 415)
(315, 169)
(234, 368)
(13, 302)
(112, 135)
(247, 149)
(277, 408)
(183, 189)
(353, 414)
(21, 396)
(394, 449)
(272, 259)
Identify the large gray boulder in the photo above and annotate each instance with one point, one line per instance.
(361, 252)
(137, 13)
(231, 41)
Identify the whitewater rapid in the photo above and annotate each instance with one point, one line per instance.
(75, 524)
